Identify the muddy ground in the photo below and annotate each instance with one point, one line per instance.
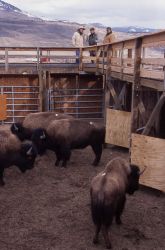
(48, 208)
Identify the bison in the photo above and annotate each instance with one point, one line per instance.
(64, 135)
(32, 121)
(14, 152)
(108, 194)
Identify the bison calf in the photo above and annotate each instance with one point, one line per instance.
(64, 135)
(108, 194)
(13, 152)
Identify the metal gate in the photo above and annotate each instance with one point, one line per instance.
(81, 103)
(21, 100)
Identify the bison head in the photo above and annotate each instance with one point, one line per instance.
(26, 157)
(133, 179)
(18, 130)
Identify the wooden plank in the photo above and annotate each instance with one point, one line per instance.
(128, 60)
(149, 152)
(118, 124)
(130, 44)
(115, 61)
(128, 70)
(154, 61)
(151, 83)
(116, 68)
(154, 45)
(3, 107)
(152, 74)
(154, 38)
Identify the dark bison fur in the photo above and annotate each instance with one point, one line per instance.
(64, 135)
(108, 194)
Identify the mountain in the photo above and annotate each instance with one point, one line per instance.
(18, 28)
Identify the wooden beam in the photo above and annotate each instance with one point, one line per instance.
(142, 110)
(136, 85)
(154, 115)
(114, 95)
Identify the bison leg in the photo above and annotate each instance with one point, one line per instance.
(2, 183)
(106, 237)
(65, 153)
(96, 237)
(97, 148)
(119, 210)
(58, 155)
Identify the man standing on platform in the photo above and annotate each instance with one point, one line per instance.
(78, 41)
(92, 40)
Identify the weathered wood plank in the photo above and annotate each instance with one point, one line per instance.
(152, 74)
(149, 152)
(154, 61)
(118, 124)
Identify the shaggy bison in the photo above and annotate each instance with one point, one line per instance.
(32, 121)
(108, 194)
(64, 135)
(13, 152)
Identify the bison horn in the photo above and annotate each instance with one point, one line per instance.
(43, 136)
(29, 152)
(15, 127)
(141, 172)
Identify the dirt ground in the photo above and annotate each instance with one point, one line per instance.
(48, 208)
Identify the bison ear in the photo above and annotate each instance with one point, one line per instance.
(43, 136)
(15, 127)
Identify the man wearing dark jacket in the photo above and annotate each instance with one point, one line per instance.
(92, 40)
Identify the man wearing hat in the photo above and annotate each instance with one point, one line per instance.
(78, 40)
(109, 37)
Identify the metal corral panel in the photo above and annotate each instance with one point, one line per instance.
(150, 152)
(3, 107)
(118, 125)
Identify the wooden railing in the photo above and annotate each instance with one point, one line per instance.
(117, 58)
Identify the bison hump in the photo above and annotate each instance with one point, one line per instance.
(8, 141)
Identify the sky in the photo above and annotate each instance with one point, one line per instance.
(115, 13)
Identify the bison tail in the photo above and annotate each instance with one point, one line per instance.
(102, 213)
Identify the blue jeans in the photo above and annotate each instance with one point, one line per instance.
(77, 54)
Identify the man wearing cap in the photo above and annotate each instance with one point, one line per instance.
(109, 37)
(92, 40)
(78, 40)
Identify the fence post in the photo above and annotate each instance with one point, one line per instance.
(81, 59)
(136, 86)
(6, 60)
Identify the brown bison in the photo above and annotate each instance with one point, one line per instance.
(13, 152)
(32, 121)
(64, 135)
(108, 194)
